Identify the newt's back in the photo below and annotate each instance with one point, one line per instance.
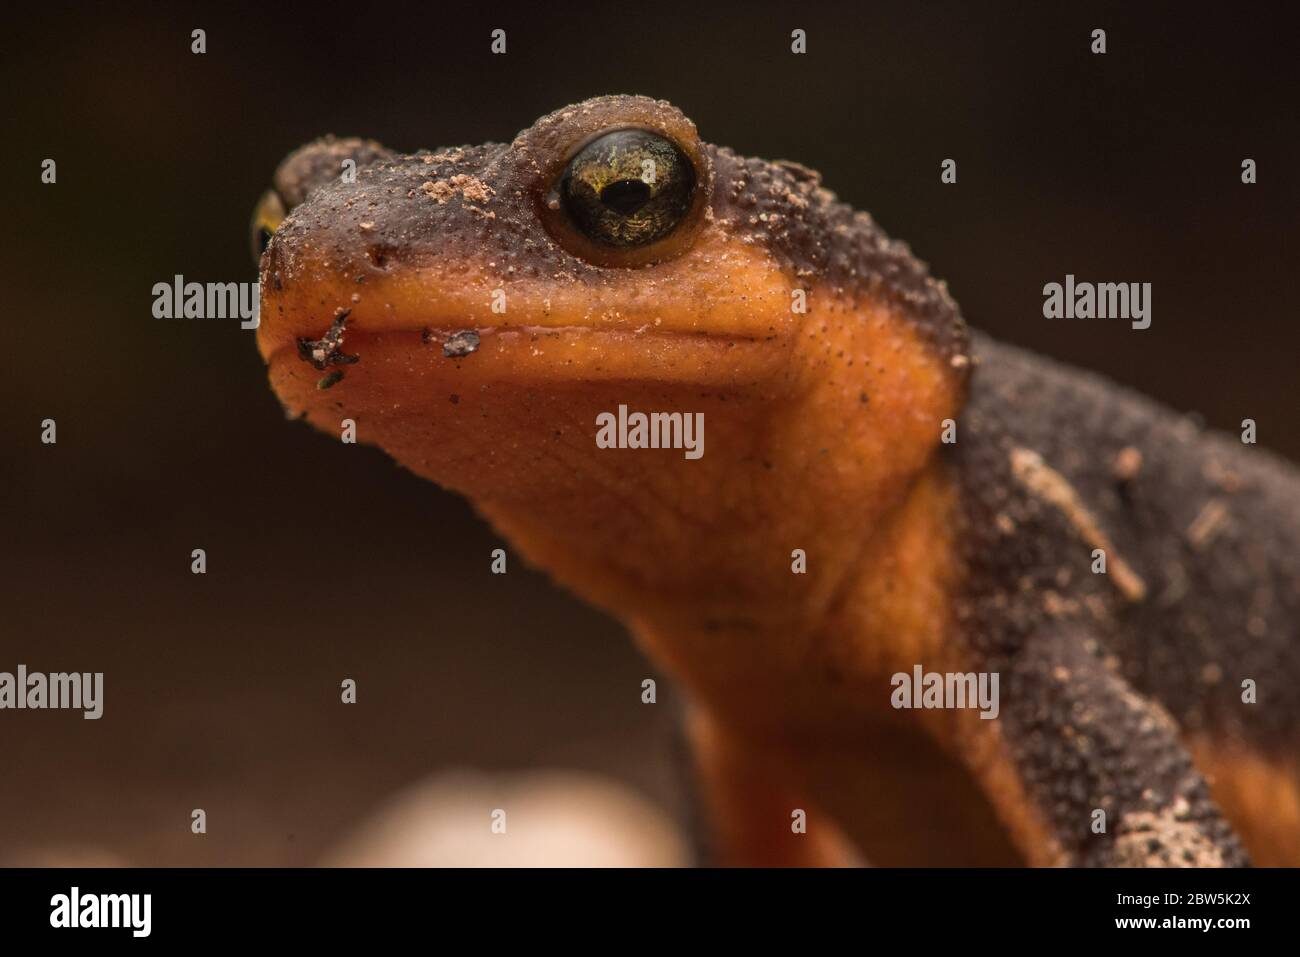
(1200, 600)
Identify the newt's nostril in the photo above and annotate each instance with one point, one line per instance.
(379, 256)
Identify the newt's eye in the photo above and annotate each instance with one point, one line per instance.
(267, 216)
(629, 188)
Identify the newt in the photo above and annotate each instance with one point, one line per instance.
(885, 494)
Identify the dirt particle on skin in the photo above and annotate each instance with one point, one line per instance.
(1227, 480)
(460, 344)
(471, 188)
(331, 380)
(438, 190)
(1128, 462)
(327, 350)
(1057, 605)
(1209, 521)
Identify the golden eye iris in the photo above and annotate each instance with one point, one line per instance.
(267, 216)
(627, 189)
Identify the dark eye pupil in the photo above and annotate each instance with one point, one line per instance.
(628, 188)
(625, 196)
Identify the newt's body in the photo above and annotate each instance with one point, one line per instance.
(650, 270)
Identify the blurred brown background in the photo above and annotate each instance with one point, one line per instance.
(222, 690)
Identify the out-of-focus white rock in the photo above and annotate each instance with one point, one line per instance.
(552, 819)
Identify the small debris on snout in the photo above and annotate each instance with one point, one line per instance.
(439, 191)
(460, 344)
(471, 189)
(325, 351)
(330, 380)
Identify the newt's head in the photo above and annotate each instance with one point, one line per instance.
(475, 309)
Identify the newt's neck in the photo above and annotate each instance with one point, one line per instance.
(699, 557)
(827, 663)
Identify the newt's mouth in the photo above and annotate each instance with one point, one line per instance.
(452, 352)
(724, 290)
